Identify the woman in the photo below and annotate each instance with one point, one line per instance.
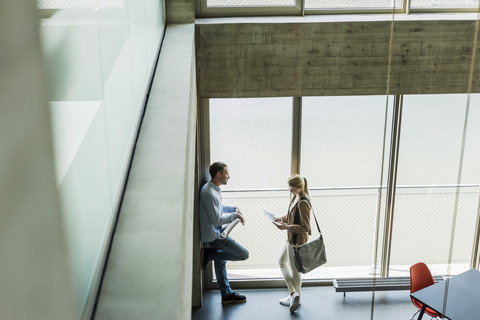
(297, 222)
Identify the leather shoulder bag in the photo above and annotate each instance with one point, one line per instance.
(312, 254)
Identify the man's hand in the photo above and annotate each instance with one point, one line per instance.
(240, 216)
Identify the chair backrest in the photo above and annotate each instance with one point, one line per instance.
(420, 277)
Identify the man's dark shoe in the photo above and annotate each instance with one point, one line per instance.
(204, 257)
(234, 297)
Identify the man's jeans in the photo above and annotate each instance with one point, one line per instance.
(223, 250)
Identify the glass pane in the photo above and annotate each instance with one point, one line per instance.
(63, 4)
(353, 4)
(99, 55)
(250, 3)
(342, 140)
(342, 147)
(433, 4)
(253, 137)
(426, 195)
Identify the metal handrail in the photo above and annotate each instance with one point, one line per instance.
(358, 188)
(379, 190)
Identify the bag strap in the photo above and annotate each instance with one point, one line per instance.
(316, 222)
(313, 212)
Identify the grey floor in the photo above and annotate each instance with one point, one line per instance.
(317, 303)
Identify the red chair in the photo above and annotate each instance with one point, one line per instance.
(421, 277)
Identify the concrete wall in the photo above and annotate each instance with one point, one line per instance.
(180, 11)
(334, 58)
(149, 270)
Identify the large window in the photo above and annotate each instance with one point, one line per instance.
(253, 137)
(431, 197)
(344, 140)
(347, 155)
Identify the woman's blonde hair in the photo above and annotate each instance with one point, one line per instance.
(297, 181)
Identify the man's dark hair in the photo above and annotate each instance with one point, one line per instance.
(216, 167)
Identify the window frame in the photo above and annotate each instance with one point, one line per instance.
(203, 11)
(403, 9)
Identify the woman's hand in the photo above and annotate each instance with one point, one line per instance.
(280, 225)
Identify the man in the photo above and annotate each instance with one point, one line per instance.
(213, 214)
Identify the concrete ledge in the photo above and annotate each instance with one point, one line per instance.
(149, 270)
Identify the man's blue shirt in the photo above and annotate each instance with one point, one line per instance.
(213, 214)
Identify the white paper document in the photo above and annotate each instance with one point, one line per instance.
(270, 217)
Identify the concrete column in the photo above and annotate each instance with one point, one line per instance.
(180, 11)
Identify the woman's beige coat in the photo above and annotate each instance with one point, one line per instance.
(303, 229)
